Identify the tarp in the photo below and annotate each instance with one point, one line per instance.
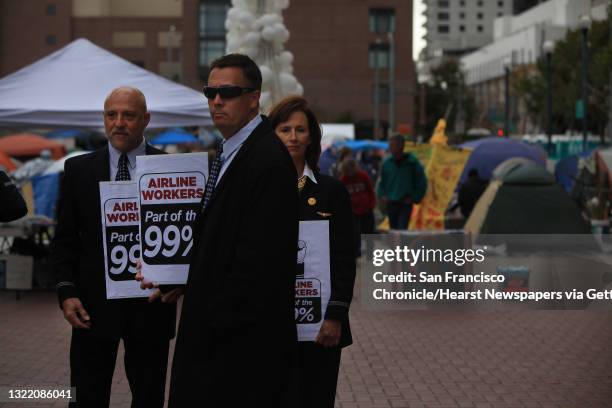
(6, 163)
(566, 170)
(58, 165)
(525, 199)
(173, 137)
(360, 145)
(67, 89)
(491, 151)
(26, 144)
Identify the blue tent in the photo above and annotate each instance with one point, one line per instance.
(174, 136)
(491, 151)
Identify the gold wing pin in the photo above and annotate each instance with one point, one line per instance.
(324, 214)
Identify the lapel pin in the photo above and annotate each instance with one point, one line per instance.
(312, 201)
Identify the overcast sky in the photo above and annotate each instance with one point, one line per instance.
(418, 31)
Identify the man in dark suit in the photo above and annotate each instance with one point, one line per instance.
(237, 337)
(77, 251)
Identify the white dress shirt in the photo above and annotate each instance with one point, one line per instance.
(114, 155)
(232, 145)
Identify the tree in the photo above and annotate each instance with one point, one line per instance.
(446, 94)
(567, 82)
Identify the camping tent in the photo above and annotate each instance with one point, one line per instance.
(25, 144)
(67, 89)
(489, 152)
(525, 199)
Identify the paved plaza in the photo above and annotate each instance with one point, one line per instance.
(399, 359)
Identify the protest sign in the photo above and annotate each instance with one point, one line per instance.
(170, 190)
(120, 219)
(312, 284)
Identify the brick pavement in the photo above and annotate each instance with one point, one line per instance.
(399, 359)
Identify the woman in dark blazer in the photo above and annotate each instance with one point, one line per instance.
(321, 198)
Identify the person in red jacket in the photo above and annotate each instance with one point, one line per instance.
(363, 198)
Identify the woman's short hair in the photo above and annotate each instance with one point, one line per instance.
(284, 109)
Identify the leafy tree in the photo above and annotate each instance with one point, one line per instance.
(446, 92)
(567, 81)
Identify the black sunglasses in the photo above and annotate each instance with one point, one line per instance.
(225, 92)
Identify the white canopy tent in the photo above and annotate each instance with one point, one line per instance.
(68, 88)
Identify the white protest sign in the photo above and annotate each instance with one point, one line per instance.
(170, 188)
(312, 284)
(120, 220)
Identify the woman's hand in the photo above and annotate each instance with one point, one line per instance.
(329, 334)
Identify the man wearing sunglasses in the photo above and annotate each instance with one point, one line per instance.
(237, 334)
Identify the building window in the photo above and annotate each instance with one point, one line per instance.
(462, 3)
(211, 19)
(443, 29)
(50, 39)
(442, 3)
(443, 16)
(479, 3)
(51, 9)
(500, 3)
(383, 93)
(462, 28)
(480, 29)
(378, 56)
(382, 20)
(500, 14)
(210, 50)
(461, 15)
(479, 16)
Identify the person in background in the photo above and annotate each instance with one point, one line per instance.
(363, 198)
(470, 192)
(321, 198)
(345, 152)
(12, 205)
(402, 183)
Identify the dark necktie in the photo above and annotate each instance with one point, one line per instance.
(215, 168)
(123, 172)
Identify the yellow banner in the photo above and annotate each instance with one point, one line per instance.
(443, 172)
(420, 151)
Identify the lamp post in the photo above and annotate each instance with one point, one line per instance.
(391, 83)
(585, 25)
(507, 67)
(548, 48)
(376, 124)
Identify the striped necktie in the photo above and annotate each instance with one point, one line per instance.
(123, 172)
(215, 168)
(301, 183)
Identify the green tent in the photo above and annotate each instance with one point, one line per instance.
(523, 198)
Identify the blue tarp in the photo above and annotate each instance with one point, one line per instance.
(46, 190)
(360, 145)
(174, 137)
(567, 169)
(66, 133)
(489, 152)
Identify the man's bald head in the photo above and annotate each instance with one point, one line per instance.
(136, 93)
(125, 118)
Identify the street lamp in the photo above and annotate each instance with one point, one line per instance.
(548, 48)
(507, 68)
(391, 83)
(376, 124)
(585, 24)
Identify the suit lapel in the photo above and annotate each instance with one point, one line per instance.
(101, 165)
(309, 198)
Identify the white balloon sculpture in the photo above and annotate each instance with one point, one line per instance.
(255, 28)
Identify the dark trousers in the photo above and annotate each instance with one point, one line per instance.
(399, 214)
(92, 363)
(318, 375)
